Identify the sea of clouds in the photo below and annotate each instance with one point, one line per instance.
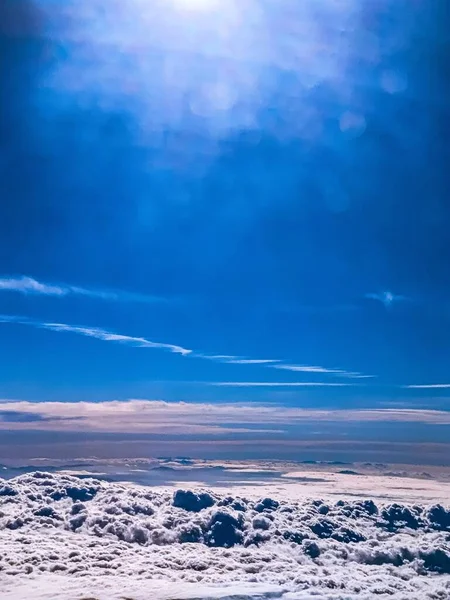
(70, 537)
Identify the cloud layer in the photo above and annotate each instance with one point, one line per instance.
(179, 418)
(297, 548)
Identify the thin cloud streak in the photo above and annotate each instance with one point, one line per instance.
(251, 361)
(142, 342)
(279, 384)
(29, 286)
(322, 371)
(276, 364)
(319, 370)
(431, 386)
(237, 360)
(97, 333)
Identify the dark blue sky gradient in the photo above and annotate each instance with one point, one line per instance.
(266, 171)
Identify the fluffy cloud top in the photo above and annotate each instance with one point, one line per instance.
(80, 529)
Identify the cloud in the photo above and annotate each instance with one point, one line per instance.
(79, 537)
(387, 298)
(321, 370)
(428, 386)
(251, 361)
(29, 286)
(237, 360)
(141, 342)
(276, 364)
(279, 384)
(180, 418)
(97, 333)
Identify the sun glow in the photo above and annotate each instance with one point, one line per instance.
(196, 4)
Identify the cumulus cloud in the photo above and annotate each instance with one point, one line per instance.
(28, 285)
(179, 418)
(80, 529)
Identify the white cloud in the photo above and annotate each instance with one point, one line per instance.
(30, 286)
(387, 298)
(97, 333)
(279, 384)
(141, 342)
(27, 285)
(66, 537)
(229, 359)
(321, 370)
(428, 386)
(252, 361)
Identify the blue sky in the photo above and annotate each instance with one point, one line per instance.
(225, 202)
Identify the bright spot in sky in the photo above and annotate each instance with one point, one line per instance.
(388, 298)
(196, 4)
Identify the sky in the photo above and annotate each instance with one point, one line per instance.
(224, 203)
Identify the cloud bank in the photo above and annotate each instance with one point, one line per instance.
(336, 549)
(180, 418)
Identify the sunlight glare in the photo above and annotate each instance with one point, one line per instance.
(196, 4)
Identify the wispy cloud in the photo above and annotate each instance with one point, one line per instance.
(252, 361)
(279, 384)
(29, 286)
(97, 333)
(428, 386)
(320, 370)
(387, 298)
(277, 364)
(142, 342)
(237, 360)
